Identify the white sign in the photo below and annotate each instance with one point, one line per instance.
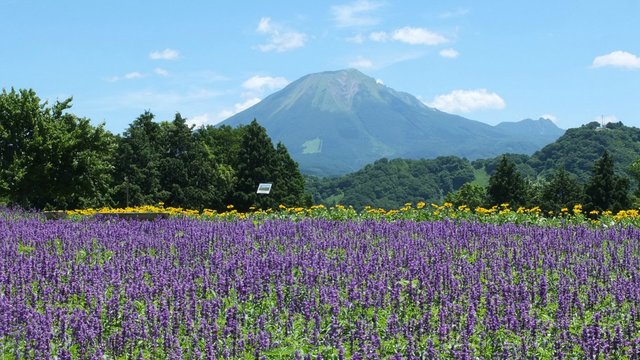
(264, 188)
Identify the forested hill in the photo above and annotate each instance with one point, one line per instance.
(391, 183)
(578, 148)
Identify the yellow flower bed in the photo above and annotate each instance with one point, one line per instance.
(420, 212)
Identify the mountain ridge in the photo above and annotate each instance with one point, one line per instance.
(335, 122)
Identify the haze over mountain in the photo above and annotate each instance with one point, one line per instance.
(335, 122)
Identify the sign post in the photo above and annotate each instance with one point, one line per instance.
(264, 188)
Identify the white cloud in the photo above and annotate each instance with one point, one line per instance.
(280, 38)
(379, 81)
(200, 120)
(160, 71)
(618, 58)
(551, 117)
(418, 36)
(224, 114)
(449, 53)
(133, 75)
(362, 63)
(264, 83)
(128, 76)
(465, 101)
(355, 13)
(379, 36)
(166, 54)
(264, 26)
(356, 39)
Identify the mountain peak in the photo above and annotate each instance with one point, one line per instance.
(335, 122)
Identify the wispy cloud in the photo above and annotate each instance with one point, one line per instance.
(264, 83)
(409, 35)
(454, 13)
(465, 101)
(418, 36)
(379, 36)
(160, 71)
(166, 54)
(551, 117)
(281, 39)
(362, 63)
(449, 53)
(199, 120)
(621, 59)
(356, 39)
(128, 76)
(133, 75)
(357, 13)
(238, 107)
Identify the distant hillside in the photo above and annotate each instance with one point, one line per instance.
(578, 148)
(336, 122)
(391, 183)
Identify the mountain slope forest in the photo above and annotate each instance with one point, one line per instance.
(52, 159)
(391, 183)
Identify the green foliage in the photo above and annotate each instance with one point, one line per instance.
(137, 175)
(506, 185)
(256, 164)
(606, 190)
(390, 183)
(50, 158)
(288, 188)
(259, 162)
(579, 148)
(469, 194)
(561, 191)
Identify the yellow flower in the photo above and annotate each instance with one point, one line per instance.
(230, 206)
(421, 204)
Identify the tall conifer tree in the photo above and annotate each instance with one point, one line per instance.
(256, 164)
(506, 185)
(606, 190)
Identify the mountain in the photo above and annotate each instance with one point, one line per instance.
(538, 131)
(336, 122)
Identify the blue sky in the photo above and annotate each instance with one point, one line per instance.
(572, 61)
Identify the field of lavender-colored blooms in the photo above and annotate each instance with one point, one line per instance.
(193, 289)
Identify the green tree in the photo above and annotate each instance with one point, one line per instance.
(634, 171)
(256, 164)
(506, 185)
(49, 157)
(190, 175)
(606, 190)
(137, 175)
(469, 194)
(561, 191)
(288, 187)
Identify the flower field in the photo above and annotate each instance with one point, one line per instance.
(337, 285)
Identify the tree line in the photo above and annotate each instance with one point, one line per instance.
(605, 190)
(53, 159)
